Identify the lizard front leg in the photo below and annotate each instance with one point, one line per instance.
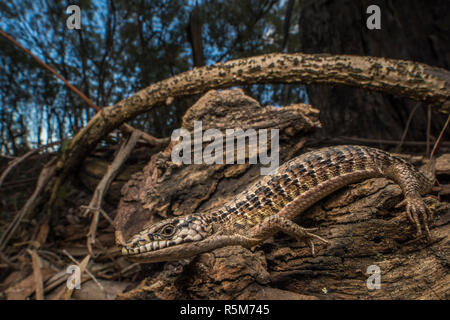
(276, 223)
(413, 185)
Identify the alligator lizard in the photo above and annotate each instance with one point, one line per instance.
(270, 204)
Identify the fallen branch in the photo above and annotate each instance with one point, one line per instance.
(47, 173)
(83, 268)
(18, 160)
(403, 78)
(95, 205)
(39, 284)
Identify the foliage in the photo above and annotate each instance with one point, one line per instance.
(122, 47)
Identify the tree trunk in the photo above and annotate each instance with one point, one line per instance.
(410, 30)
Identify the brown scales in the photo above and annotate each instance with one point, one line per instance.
(309, 173)
(270, 204)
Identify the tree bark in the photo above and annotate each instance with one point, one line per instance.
(194, 32)
(360, 221)
(404, 78)
(410, 30)
(163, 189)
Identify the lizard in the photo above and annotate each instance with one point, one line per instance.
(269, 205)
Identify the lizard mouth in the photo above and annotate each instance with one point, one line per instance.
(159, 251)
(149, 247)
(179, 251)
(142, 244)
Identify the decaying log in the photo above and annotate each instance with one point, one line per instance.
(404, 78)
(163, 189)
(364, 229)
(361, 222)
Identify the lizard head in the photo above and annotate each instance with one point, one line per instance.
(161, 237)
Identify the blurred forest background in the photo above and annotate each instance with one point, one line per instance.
(124, 46)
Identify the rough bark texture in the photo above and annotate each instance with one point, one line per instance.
(364, 229)
(164, 190)
(360, 221)
(404, 78)
(194, 34)
(411, 30)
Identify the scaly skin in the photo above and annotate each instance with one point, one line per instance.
(270, 204)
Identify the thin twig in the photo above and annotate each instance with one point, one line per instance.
(86, 269)
(9, 262)
(380, 141)
(46, 174)
(405, 131)
(83, 267)
(38, 282)
(7, 156)
(129, 268)
(428, 129)
(18, 160)
(14, 163)
(47, 67)
(105, 215)
(440, 137)
(103, 186)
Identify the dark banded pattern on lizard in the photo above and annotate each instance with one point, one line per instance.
(270, 204)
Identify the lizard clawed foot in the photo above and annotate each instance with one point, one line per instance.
(308, 237)
(276, 223)
(417, 210)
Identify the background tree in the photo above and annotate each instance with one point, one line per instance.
(124, 46)
(410, 30)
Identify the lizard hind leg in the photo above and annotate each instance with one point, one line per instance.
(413, 185)
(416, 209)
(276, 223)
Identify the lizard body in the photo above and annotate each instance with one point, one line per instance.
(271, 203)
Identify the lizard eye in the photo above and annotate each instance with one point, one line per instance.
(167, 230)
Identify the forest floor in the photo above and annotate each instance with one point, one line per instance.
(36, 263)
